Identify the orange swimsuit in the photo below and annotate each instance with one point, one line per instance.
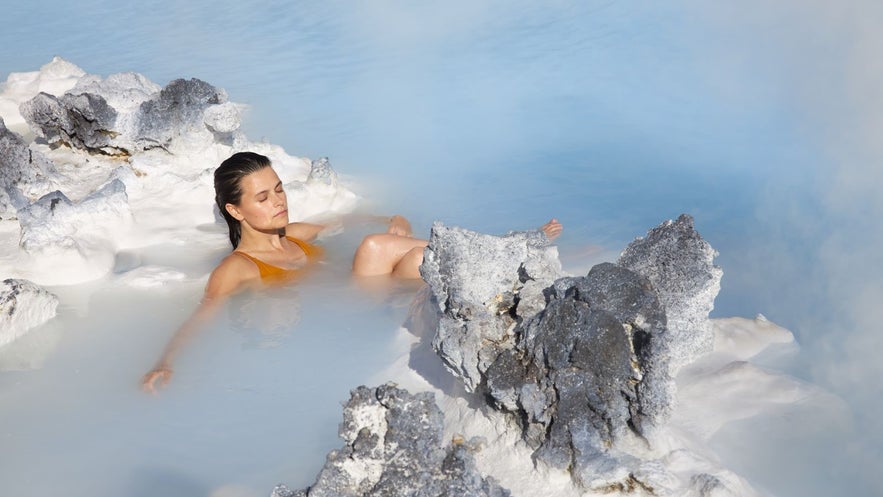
(270, 272)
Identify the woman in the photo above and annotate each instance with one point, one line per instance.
(268, 249)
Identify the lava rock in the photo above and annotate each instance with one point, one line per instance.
(23, 172)
(126, 113)
(579, 377)
(393, 447)
(83, 121)
(582, 363)
(680, 265)
(23, 306)
(484, 285)
(178, 109)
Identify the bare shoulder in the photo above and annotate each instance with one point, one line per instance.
(304, 231)
(233, 272)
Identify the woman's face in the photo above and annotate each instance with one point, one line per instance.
(263, 205)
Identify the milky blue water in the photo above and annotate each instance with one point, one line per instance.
(611, 116)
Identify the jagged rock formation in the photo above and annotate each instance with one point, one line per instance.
(54, 221)
(126, 114)
(23, 306)
(122, 115)
(484, 285)
(581, 362)
(680, 266)
(178, 109)
(394, 447)
(22, 171)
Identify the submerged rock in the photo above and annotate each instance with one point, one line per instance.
(582, 363)
(394, 447)
(22, 172)
(23, 306)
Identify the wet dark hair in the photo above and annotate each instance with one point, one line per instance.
(228, 185)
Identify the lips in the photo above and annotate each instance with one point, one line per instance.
(281, 213)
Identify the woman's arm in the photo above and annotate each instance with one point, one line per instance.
(162, 371)
(225, 280)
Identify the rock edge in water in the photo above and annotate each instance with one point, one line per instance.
(582, 363)
(393, 447)
(23, 306)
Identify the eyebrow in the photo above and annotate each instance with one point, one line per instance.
(267, 191)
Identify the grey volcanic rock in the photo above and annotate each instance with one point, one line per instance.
(23, 306)
(582, 363)
(126, 113)
(54, 221)
(484, 285)
(393, 447)
(581, 377)
(179, 108)
(22, 172)
(83, 121)
(680, 265)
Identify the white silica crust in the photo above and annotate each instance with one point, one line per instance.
(367, 471)
(681, 460)
(93, 206)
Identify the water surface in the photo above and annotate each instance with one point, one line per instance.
(611, 116)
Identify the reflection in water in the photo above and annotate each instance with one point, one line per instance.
(610, 116)
(264, 319)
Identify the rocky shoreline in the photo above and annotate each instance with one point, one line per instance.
(581, 367)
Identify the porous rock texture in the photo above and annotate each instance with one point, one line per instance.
(126, 113)
(484, 286)
(580, 362)
(120, 115)
(23, 306)
(22, 172)
(680, 266)
(394, 447)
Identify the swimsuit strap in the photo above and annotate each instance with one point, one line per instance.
(270, 271)
(266, 270)
(312, 251)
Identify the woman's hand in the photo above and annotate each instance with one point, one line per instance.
(160, 373)
(399, 226)
(552, 229)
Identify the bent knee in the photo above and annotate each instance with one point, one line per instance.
(370, 245)
(368, 259)
(409, 265)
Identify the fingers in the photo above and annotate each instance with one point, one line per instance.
(552, 229)
(400, 226)
(148, 383)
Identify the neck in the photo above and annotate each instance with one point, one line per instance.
(255, 239)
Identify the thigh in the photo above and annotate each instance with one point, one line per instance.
(381, 253)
